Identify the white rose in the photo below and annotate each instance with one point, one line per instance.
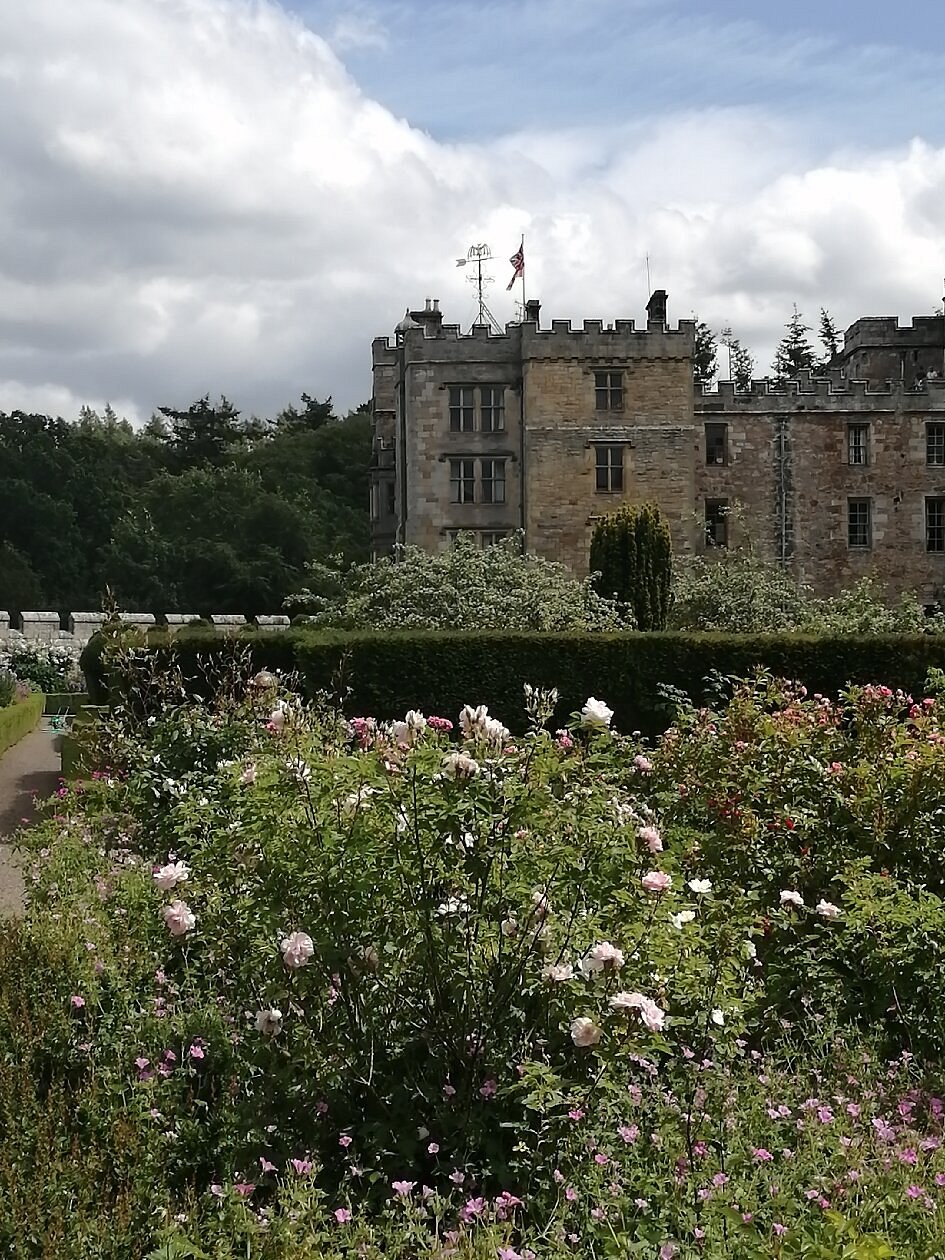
(179, 918)
(700, 885)
(557, 973)
(452, 905)
(651, 1015)
(584, 1032)
(269, 1022)
(602, 957)
(460, 766)
(684, 916)
(169, 876)
(596, 714)
(717, 1016)
(827, 910)
(791, 898)
(297, 950)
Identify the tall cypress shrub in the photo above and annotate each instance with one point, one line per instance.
(631, 552)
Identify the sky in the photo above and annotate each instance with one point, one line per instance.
(236, 196)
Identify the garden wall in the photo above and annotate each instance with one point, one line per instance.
(384, 674)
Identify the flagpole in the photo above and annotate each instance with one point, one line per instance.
(523, 276)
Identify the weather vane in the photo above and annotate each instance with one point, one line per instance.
(480, 254)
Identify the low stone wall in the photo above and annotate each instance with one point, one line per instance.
(47, 627)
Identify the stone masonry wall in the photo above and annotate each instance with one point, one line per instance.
(896, 479)
(563, 429)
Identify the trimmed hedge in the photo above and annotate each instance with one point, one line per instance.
(18, 719)
(68, 702)
(384, 674)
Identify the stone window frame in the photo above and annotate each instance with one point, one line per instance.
(391, 504)
(935, 444)
(721, 430)
(858, 429)
(494, 409)
(483, 537)
(608, 389)
(462, 413)
(935, 524)
(860, 523)
(492, 485)
(717, 513)
(462, 480)
(608, 471)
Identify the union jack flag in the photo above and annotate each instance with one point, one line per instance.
(518, 262)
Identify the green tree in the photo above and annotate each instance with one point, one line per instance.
(829, 337)
(740, 363)
(203, 434)
(794, 351)
(632, 557)
(312, 416)
(704, 355)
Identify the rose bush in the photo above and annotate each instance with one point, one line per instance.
(409, 989)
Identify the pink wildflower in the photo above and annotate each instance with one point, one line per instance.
(402, 1187)
(342, 1215)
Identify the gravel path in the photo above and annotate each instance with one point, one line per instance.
(29, 769)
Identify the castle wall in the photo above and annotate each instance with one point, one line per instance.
(786, 462)
(653, 430)
(797, 509)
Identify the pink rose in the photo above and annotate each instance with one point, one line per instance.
(656, 881)
(297, 950)
(179, 918)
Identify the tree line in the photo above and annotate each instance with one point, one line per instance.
(199, 511)
(795, 351)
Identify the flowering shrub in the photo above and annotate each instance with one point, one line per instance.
(464, 588)
(48, 667)
(426, 988)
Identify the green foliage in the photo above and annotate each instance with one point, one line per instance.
(387, 672)
(704, 356)
(8, 684)
(841, 800)
(632, 557)
(499, 1038)
(18, 719)
(794, 352)
(829, 336)
(208, 508)
(741, 365)
(736, 591)
(462, 588)
(43, 666)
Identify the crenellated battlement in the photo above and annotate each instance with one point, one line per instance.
(561, 336)
(832, 392)
(886, 331)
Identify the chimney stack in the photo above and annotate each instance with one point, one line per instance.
(656, 311)
(532, 311)
(430, 318)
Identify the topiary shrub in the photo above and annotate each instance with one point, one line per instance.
(631, 554)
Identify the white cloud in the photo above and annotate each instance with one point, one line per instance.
(199, 198)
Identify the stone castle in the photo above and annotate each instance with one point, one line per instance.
(545, 430)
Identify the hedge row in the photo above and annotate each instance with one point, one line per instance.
(386, 674)
(18, 719)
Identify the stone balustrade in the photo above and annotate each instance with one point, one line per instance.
(46, 627)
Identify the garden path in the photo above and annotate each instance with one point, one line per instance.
(30, 769)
